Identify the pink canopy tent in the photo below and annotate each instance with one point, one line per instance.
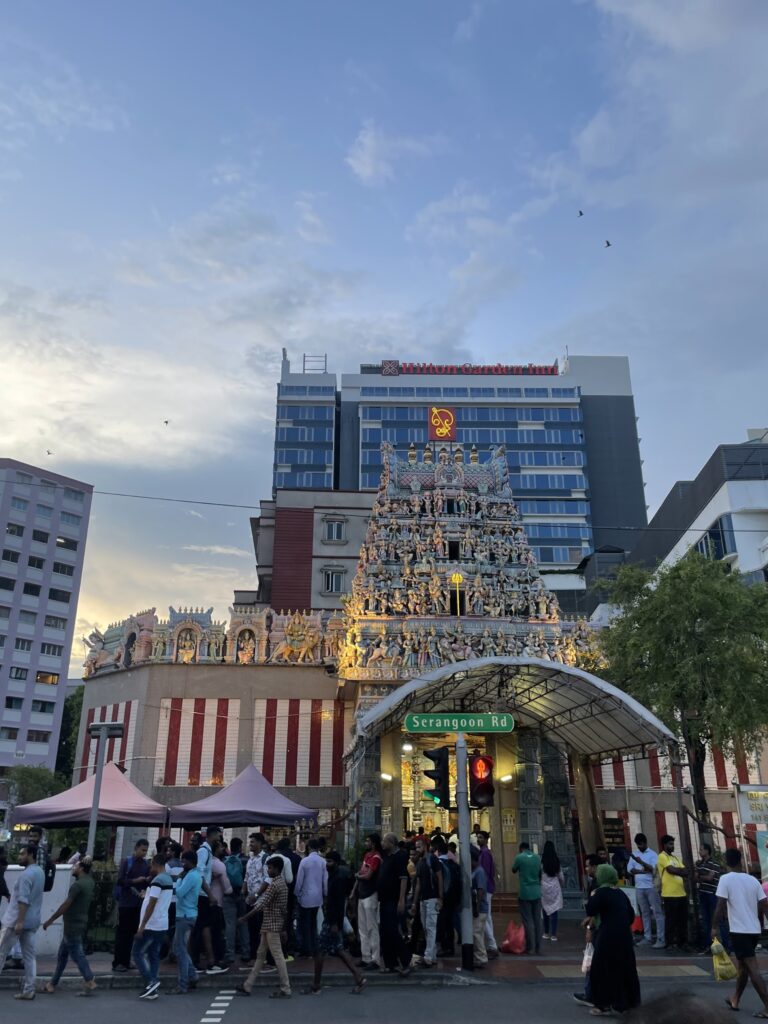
(120, 803)
(247, 800)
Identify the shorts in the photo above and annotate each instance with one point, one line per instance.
(744, 945)
(330, 943)
(203, 912)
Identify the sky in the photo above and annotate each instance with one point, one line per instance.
(187, 187)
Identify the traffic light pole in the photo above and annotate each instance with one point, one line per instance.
(462, 801)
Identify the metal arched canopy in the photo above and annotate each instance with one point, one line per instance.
(569, 706)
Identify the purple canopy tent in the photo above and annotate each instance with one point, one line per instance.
(247, 800)
(120, 803)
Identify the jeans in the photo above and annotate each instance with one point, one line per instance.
(394, 951)
(676, 920)
(146, 954)
(71, 946)
(480, 955)
(127, 926)
(308, 918)
(368, 928)
(270, 942)
(26, 940)
(235, 934)
(707, 904)
(490, 937)
(187, 972)
(550, 923)
(428, 913)
(649, 903)
(530, 911)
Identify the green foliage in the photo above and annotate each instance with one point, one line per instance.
(692, 645)
(29, 784)
(70, 726)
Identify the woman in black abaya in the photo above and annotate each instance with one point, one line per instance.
(613, 975)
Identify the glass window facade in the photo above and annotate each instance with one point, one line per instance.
(719, 540)
(304, 437)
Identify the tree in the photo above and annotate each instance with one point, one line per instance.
(28, 784)
(70, 726)
(691, 643)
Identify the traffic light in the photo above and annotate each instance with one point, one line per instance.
(481, 786)
(441, 794)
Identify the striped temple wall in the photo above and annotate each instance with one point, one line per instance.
(120, 750)
(197, 741)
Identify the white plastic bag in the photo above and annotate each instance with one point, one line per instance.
(586, 963)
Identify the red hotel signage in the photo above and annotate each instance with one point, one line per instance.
(392, 368)
(442, 424)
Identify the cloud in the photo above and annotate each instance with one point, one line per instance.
(195, 514)
(219, 549)
(310, 226)
(466, 28)
(452, 218)
(373, 154)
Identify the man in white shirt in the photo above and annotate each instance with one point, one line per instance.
(153, 926)
(642, 868)
(742, 896)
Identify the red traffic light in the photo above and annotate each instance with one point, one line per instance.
(481, 768)
(481, 787)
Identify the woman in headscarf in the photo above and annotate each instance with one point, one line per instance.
(613, 974)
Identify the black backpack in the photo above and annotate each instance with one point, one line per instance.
(49, 872)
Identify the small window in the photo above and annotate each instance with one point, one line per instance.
(66, 543)
(30, 618)
(8, 734)
(37, 736)
(19, 504)
(14, 530)
(48, 678)
(44, 511)
(59, 595)
(18, 673)
(48, 487)
(334, 530)
(63, 569)
(2, 641)
(43, 707)
(53, 650)
(55, 622)
(35, 562)
(40, 536)
(23, 478)
(333, 581)
(14, 703)
(72, 495)
(33, 589)
(6, 584)
(10, 556)
(5, 611)
(22, 644)
(71, 519)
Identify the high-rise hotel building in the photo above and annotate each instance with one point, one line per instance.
(570, 433)
(44, 523)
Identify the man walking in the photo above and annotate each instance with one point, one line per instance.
(271, 906)
(132, 876)
(331, 941)
(202, 934)
(392, 889)
(368, 903)
(187, 890)
(741, 896)
(428, 898)
(528, 865)
(642, 868)
(673, 874)
(153, 926)
(256, 881)
(479, 908)
(487, 864)
(22, 918)
(74, 910)
(311, 889)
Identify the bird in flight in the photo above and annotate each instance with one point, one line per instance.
(607, 244)
(166, 422)
(48, 451)
(581, 213)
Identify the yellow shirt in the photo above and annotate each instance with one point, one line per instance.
(671, 885)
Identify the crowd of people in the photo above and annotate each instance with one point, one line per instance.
(399, 910)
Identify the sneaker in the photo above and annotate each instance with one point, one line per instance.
(545, 937)
(26, 996)
(493, 954)
(659, 945)
(289, 959)
(150, 990)
(582, 999)
(217, 969)
(553, 938)
(152, 995)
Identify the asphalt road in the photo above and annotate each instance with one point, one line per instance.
(539, 1002)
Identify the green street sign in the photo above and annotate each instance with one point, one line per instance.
(460, 721)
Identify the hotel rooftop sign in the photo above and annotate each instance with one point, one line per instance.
(393, 368)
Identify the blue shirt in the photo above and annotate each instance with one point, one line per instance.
(312, 881)
(205, 862)
(29, 890)
(187, 891)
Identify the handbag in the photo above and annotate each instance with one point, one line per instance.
(586, 960)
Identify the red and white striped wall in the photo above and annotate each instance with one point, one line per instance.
(120, 750)
(197, 741)
(299, 742)
(719, 772)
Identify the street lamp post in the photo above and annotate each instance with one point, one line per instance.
(101, 732)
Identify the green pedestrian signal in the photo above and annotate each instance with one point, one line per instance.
(441, 794)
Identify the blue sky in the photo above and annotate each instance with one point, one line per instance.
(187, 187)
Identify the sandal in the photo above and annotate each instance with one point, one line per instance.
(359, 987)
(730, 1006)
(49, 988)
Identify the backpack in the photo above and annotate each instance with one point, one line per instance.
(117, 892)
(234, 868)
(451, 879)
(49, 872)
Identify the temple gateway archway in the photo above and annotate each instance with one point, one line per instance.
(566, 721)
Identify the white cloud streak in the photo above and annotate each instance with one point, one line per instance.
(374, 153)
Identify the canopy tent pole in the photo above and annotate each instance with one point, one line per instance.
(101, 731)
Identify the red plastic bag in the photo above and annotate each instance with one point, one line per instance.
(514, 939)
(638, 927)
